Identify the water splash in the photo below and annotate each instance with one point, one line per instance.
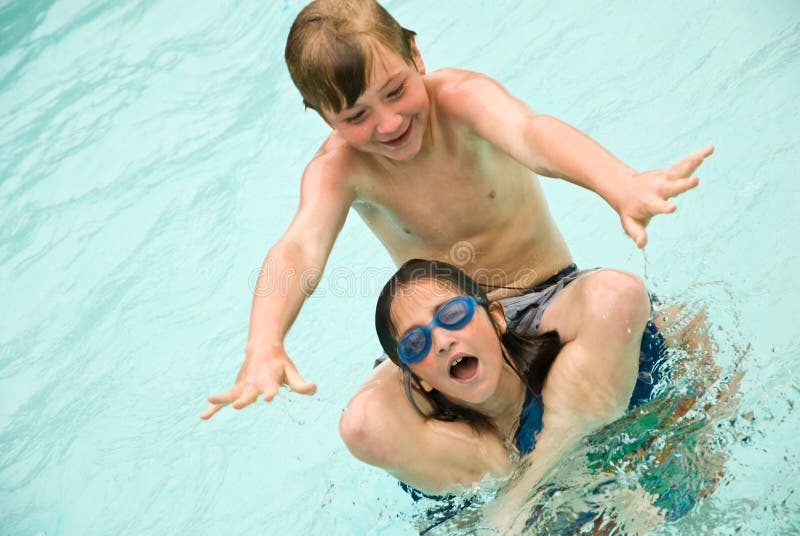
(657, 464)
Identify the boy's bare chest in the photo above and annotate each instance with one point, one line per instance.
(441, 202)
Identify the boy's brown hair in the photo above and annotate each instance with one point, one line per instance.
(331, 46)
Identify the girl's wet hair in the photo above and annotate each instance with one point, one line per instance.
(529, 357)
(331, 47)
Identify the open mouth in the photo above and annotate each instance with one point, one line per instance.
(402, 138)
(464, 369)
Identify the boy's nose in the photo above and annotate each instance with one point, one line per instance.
(390, 122)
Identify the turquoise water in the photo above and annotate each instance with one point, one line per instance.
(150, 152)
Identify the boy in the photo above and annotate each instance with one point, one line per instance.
(432, 163)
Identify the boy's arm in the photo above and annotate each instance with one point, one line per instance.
(553, 148)
(290, 272)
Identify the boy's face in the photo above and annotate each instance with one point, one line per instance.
(391, 117)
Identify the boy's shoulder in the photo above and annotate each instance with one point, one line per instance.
(442, 82)
(335, 163)
(335, 155)
(448, 77)
(455, 90)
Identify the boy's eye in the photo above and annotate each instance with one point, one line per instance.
(355, 118)
(397, 92)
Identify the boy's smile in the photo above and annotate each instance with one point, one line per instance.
(402, 138)
(391, 116)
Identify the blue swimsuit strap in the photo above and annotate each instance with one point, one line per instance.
(530, 422)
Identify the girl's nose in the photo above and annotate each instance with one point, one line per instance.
(442, 340)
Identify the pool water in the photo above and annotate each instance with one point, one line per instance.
(150, 152)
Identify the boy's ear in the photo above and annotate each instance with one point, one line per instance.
(416, 56)
(498, 316)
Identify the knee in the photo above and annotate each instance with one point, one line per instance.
(354, 425)
(620, 300)
(361, 429)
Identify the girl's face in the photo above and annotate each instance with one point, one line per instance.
(464, 364)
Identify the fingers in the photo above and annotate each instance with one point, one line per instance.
(665, 207)
(250, 384)
(686, 165)
(270, 391)
(678, 186)
(211, 410)
(227, 397)
(248, 396)
(636, 231)
(297, 384)
(241, 396)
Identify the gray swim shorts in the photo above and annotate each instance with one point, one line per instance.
(524, 312)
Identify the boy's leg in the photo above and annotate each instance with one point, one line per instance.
(600, 318)
(603, 312)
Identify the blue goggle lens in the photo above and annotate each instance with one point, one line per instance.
(452, 314)
(413, 346)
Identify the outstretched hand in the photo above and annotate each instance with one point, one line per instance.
(646, 194)
(261, 373)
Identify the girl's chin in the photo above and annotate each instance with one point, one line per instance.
(470, 393)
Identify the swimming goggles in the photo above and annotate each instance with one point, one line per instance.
(452, 314)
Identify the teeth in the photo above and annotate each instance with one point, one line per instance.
(456, 362)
